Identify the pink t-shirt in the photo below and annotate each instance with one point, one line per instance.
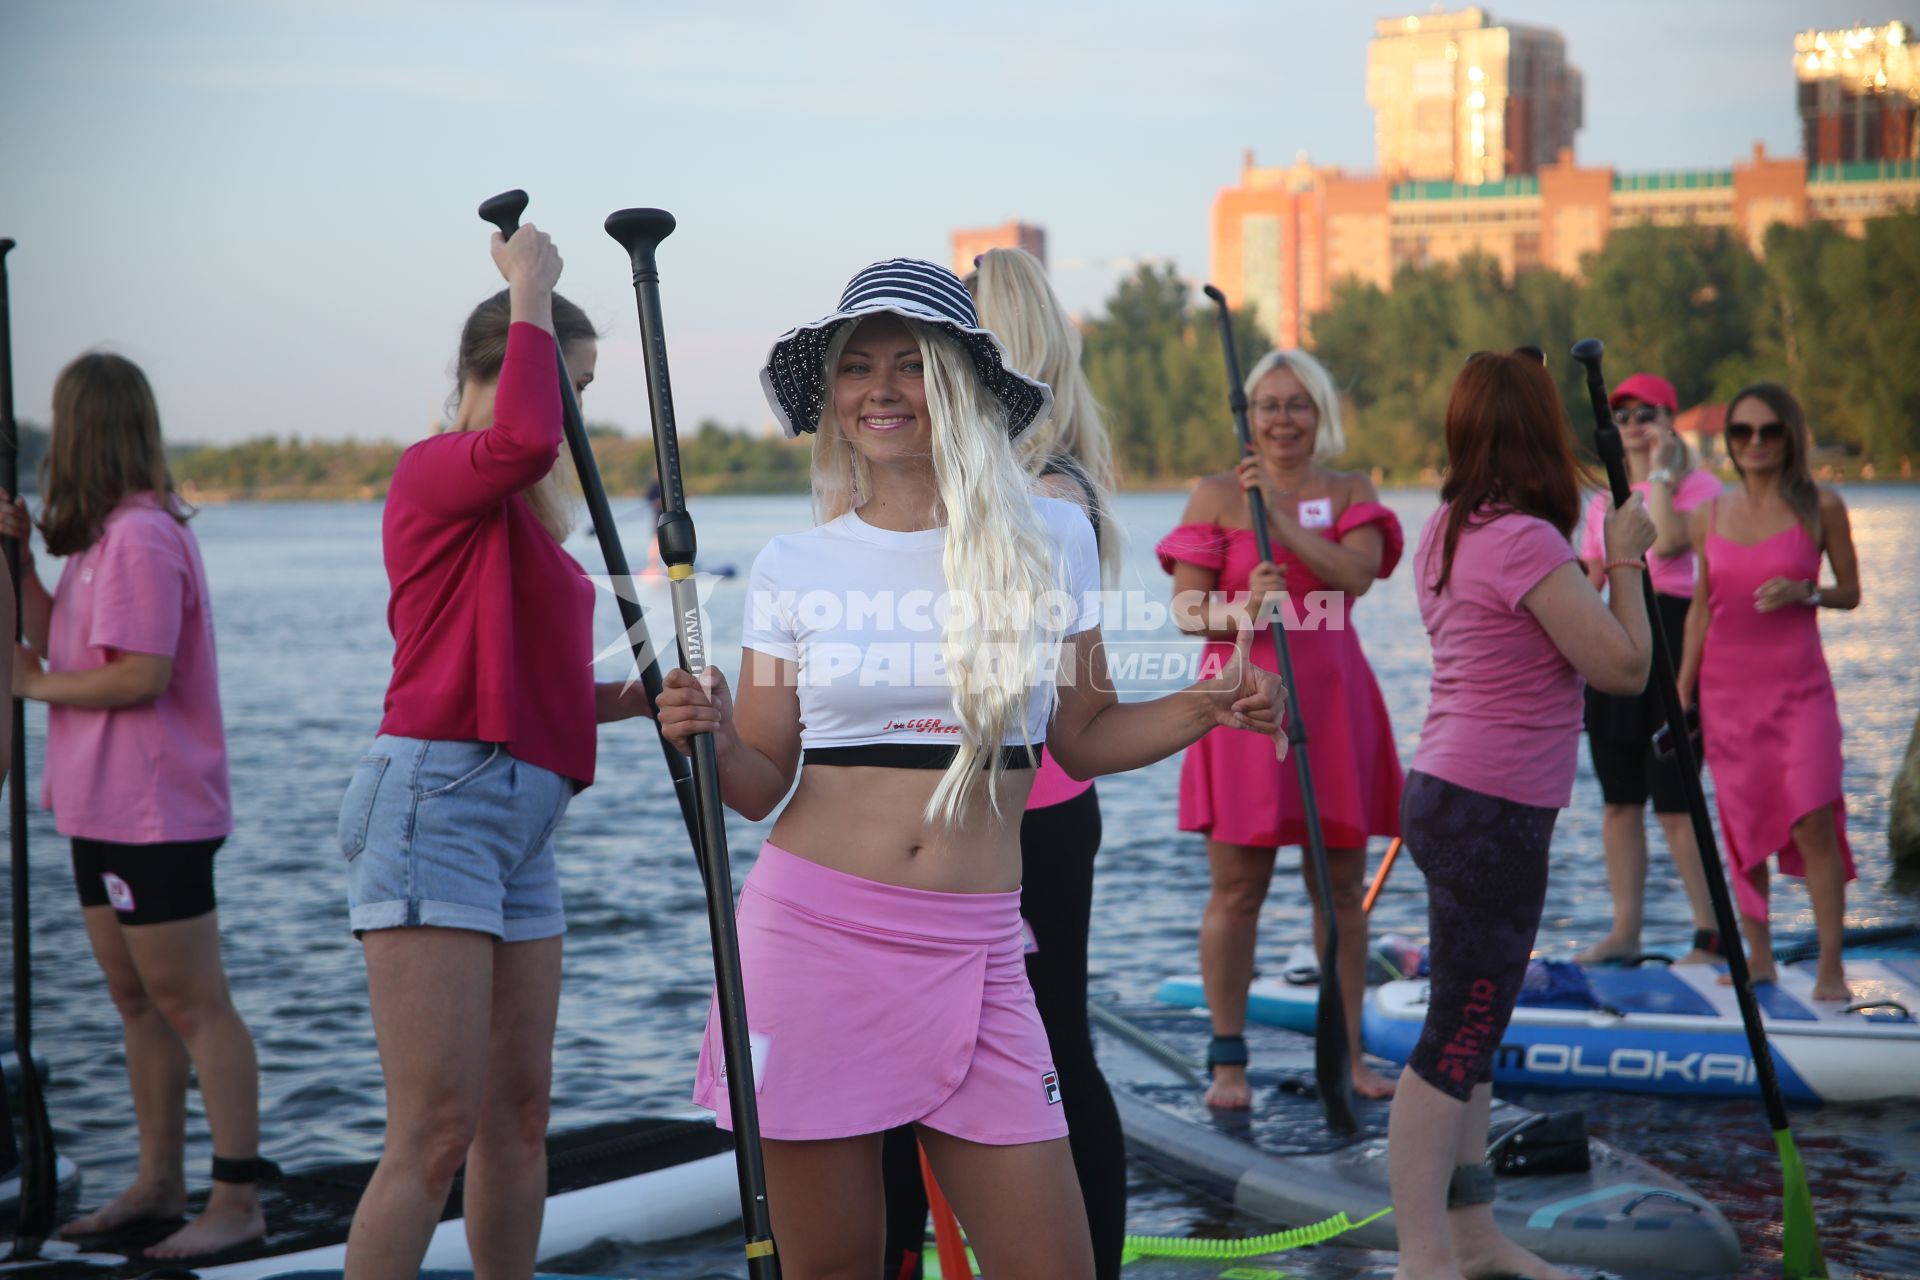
(154, 773)
(1504, 716)
(1672, 575)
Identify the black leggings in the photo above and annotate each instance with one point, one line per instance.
(1057, 846)
(1485, 860)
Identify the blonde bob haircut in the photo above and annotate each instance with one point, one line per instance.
(1018, 304)
(998, 560)
(1330, 438)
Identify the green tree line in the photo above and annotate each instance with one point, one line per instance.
(1833, 317)
(713, 459)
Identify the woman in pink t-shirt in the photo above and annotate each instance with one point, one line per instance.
(1514, 626)
(136, 776)
(1620, 730)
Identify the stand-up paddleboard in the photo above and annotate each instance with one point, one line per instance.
(1290, 999)
(66, 1185)
(635, 1180)
(1677, 1031)
(1278, 1163)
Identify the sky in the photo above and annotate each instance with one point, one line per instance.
(270, 204)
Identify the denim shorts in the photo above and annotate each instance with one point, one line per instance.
(455, 835)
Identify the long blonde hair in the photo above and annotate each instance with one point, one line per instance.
(997, 562)
(1018, 304)
(483, 352)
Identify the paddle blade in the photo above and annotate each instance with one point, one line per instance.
(1333, 1071)
(1800, 1254)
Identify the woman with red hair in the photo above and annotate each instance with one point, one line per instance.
(1515, 626)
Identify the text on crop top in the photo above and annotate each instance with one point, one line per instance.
(861, 611)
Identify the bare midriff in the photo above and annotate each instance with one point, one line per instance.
(871, 822)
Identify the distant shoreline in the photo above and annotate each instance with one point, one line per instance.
(204, 497)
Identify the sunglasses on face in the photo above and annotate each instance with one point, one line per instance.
(1769, 432)
(1638, 415)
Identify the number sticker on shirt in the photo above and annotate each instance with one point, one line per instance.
(1316, 513)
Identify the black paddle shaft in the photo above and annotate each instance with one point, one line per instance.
(1606, 440)
(639, 232)
(38, 1179)
(1331, 1063)
(504, 211)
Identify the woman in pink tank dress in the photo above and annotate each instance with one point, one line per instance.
(1772, 725)
(1334, 539)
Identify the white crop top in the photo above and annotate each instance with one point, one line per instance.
(862, 611)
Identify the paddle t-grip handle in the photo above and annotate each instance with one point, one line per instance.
(504, 211)
(638, 229)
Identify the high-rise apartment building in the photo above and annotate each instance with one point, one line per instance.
(1859, 94)
(1284, 237)
(1449, 88)
(1011, 234)
(1460, 98)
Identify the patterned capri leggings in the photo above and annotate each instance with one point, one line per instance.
(1485, 860)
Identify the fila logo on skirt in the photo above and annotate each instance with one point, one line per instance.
(1050, 1084)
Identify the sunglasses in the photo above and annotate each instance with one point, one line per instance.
(1639, 415)
(1770, 432)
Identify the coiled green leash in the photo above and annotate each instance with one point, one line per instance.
(1248, 1247)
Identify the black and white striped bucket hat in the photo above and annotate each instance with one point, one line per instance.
(795, 376)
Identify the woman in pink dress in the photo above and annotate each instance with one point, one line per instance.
(1772, 725)
(1333, 539)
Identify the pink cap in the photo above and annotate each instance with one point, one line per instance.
(1647, 388)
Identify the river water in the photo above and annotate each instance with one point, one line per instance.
(300, 600)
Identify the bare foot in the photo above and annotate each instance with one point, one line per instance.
(141, 1202)
(1496, 1256)
(1697, 956)
(220, 1227)
(1230, 1090)
(1368, 1083)
(1831, 988)
(1609, 948)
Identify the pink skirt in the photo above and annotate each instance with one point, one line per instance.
(870, 1006)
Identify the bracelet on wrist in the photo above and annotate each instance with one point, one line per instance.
(1625, 564)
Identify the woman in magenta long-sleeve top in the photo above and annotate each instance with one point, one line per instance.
(1333, 539)
(447, 825)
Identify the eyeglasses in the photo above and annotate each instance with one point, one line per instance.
(1300, 409)
(1770, 432)
(1639, 415)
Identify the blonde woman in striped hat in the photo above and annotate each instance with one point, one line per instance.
(901, 659)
